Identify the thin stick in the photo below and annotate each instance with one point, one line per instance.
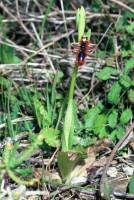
(21, 22)
(64, 19)
(103, 36)
(102, 181)
(41, 46)
(123, 5)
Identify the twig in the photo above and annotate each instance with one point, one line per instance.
(41, 46)
(124, 195)
(103, 36)
(52, 158)
(123, 5)
(21, 22)
(65, 188)
(64, 19)
(44, 47)
(102, 181)
(27, 118)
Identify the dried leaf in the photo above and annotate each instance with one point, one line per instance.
(132, 144)
(101, 162)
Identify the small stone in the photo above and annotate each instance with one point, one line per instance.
(112, 172)
(128, 170)
(114, 162)
(77, 180)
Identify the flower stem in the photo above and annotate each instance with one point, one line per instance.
(71, 91)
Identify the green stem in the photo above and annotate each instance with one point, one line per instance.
(71, 91)
(45, 16)
(16, 179)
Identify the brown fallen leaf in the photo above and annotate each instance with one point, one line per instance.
(80, 169)
(100, 145)
(132, 144)
(101, 162)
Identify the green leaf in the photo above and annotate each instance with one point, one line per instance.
(13, 152)
(120, 132)
(128, 14)
(129, 65)
(131, 96)
(128, 53)
(100, 54)
(125, 81)
(112, 118)
(114, 93)
(41, 114)
(12, 98)
(85, 142)
(7, 56)
(90, 118)
(132, 46)
(109, 62)
(100, 106)
(103, 132)
(80, 21)
(68, 128)
(79, 148)
(26, 96)
(131, 185)
(106, 189)
(25, 172)
(130, 28)
(89, 34)
(66, 162)
(51, 136)
(125, 53)
(60, 76)
(125, 116)
(75, 116)
(33, 137)
(100, 123)
(105, 73)
(113, 135)
(4, 82)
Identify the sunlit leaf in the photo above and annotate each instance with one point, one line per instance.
(125, 116)
(131, 95)
(99, 124)
(114, 93)
(125, 81)
(112, 118)
(51, 136)
(105, 73)
(128, 65)
(90, 117)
